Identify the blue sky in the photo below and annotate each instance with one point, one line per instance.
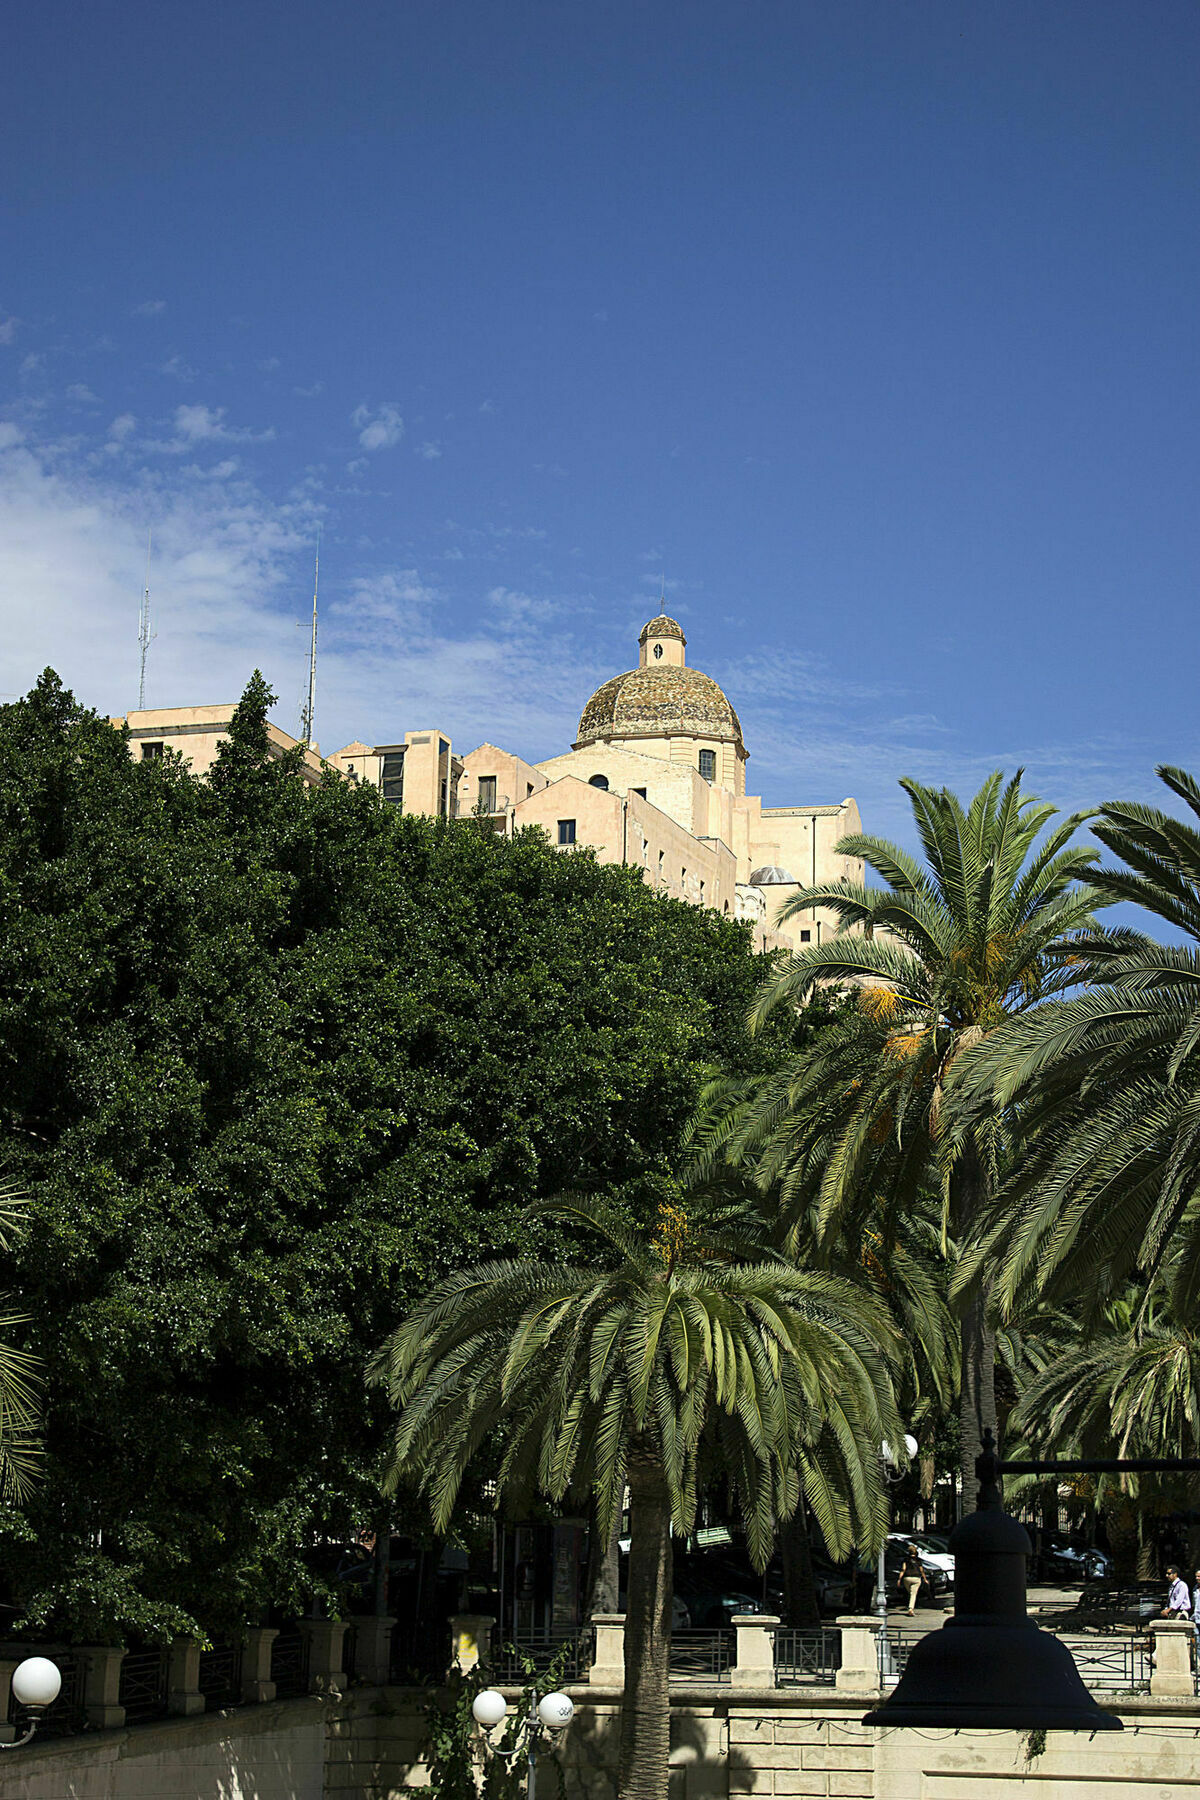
(870, 328)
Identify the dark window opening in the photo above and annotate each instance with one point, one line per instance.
(806, 937)
(658, 650)
(566, 831)
(640, 791)
(391, 779)
(487, 793)
(152, 752)
(600, 781)
(708, 764)
(528, 789)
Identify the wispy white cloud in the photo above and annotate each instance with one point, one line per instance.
(199, 424)
(147, 309)
(309, 393)
(8, 330)
(82, 394)
(428, 452)
(378, 428)
(123, 426)
(177, 369)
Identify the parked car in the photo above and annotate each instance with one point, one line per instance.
(1071, 1562)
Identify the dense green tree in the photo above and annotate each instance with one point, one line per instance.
(854, 1128)
(669, 1360)
(273, 1060)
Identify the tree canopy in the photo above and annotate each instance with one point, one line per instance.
(274, 1060)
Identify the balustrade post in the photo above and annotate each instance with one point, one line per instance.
(7, 1665)
(326, 1640)
(102, 1685)
(183, 1678)
(754, 1657)
(859, 1673)
(257, 1645)
(373, 1649)
(470, 1640)
(608, 1664)
(1172, 1669)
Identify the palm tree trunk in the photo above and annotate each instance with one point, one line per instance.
(977, 1389)
(800, 1609)
(646, 1705)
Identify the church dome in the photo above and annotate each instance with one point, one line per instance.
(660, 699)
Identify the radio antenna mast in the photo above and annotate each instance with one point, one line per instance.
(308, 710)
(145, 636)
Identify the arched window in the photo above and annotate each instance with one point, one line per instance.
(600, 781)
(658, 650)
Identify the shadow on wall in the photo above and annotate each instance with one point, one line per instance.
(243, 1757)
(700, 1758)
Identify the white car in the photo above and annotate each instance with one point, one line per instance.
(931, 1556)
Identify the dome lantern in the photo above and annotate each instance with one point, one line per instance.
(661, 641)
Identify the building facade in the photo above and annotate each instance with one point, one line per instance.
(656, 779)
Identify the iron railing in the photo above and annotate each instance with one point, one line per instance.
(894, 1650)
(532, 1653)
(807, 1658)
(701, 1655)
(289, 1665)
(1116, 1664)
(143, 1690)
(220, 1677)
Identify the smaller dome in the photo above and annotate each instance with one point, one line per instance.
(771, 876)
(662, 627)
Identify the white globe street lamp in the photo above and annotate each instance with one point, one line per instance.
(36, 1684)
(556, 1711)
(489, 1707)
(552, 1712)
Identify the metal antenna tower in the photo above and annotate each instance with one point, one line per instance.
(308, 710)
(145, 636)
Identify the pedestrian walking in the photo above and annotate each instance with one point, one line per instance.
(912, 1577)
(1179, 1601)
(1196, 1614)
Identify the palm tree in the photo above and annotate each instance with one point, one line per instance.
(855, 1126)
(1126, 1386)
(1104, 1088)
(668, 1362)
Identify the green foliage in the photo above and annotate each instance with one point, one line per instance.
(272, 1061)
(465, 1763)
(670, 1347)
(1106, 1087)
(851, 1136)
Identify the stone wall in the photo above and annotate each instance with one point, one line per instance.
(802, 1744)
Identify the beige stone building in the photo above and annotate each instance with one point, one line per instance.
(655, 779)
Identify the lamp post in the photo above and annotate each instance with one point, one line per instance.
(891, 1473)
(990, 1666)
(551, 1712)
(36, 1684)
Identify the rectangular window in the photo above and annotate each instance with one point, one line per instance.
(391, 779)
(708, 764)
(487, 793)
(702, 893)
(566, 831)
(806, 937)
(528, 789)
(661, 854)
(152, 752)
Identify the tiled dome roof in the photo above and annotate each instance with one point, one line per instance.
(659, 701)
(662, 627)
